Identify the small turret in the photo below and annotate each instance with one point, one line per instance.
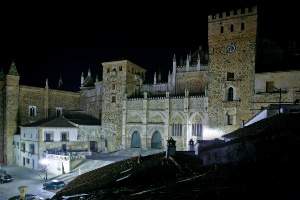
(174, 70)
(60, 83)
(187, 63)
(82, 79)
(198, 63)
(12, 78)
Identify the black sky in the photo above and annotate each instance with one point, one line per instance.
(50, 40)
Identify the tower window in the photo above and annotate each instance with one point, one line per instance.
(230, 76)
(222, 29)
(229, 119)
(230, 94)
(32, 111)
(120, 68)
(242, 26)
(58, 112)
(113, 99)
(231, 28)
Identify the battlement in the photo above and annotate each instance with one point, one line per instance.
(251, 10)
(191, 68)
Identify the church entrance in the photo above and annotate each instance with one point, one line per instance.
(136, 140)
(94, 146)
(156, 140)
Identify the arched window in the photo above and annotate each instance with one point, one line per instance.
(32, 111)
(230, 94)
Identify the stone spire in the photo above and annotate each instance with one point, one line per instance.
(13, 69)
(60, 83)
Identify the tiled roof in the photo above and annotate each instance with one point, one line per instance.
(83, 119)
(52, 122)
(282, 122)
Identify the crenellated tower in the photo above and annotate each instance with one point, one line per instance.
(232, 38)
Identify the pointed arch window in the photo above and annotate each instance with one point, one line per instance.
(58, 112)
(32, 111)
(230, 94)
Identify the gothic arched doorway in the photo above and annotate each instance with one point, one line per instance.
(136, 140)
(156, 140)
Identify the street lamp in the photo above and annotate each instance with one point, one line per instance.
(45, 162)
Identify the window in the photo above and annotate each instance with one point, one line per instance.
(58, 112)
(113, 86)
(242, 26)
(230, 76)
(107, 70)
(229, 119)
(31, 148)
(222, 29)
(32, 111)
(120, 68)
(231, 28)
(197, 130)
(27, 160)
(230, 94)
(64, 136)
(269, 86)
(48, 137)
(23, 147)
(113, 99)
(177, 130)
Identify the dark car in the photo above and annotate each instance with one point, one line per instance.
(54, 184)
(6, 178)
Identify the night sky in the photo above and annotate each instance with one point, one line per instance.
(50, 40)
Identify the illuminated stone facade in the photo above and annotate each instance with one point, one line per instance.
(206, 96)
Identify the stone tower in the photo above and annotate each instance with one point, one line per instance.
(120, 79)
(2, 98)
(232, 39)
(11, 112)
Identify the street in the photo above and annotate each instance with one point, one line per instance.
(35, 179)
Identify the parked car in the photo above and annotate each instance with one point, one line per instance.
(6, 178)
(54, 184)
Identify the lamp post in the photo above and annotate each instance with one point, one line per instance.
(45, 162)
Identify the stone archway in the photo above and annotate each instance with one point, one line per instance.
(156, 141)
(136, 140)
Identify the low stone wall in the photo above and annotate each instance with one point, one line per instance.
(61, 164)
